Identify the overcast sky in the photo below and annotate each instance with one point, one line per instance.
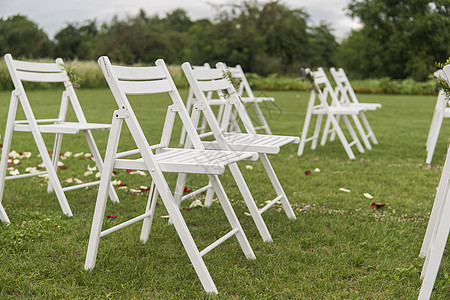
(53, 15)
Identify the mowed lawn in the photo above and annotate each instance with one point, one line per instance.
(339, 247)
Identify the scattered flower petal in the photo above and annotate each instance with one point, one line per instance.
(129, 171)
(145, 188)
(10, 169)
(134, 191)
(87, 173)
(186, 208)
(317, 170)
(344, 190)
(67, 154)
(78, 181)
(376, 206)
(69, 180)
(13, 154)
(186, 190)
(247, 214)
(307, 172)
(94, 168)
(63, 167)
(60, 163)
(78, 154)
(88, 155)
(14, 172)
(164, 217)
(139, 173)
(98, 175)
(368, 196)
(249, 167)
(111, 217)
(196, 203)
(116, 182)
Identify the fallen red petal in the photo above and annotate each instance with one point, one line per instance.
(122, 184)
(63, 167)
(376, 206)
(186, 208)
(111, 217)
(307, 172)
(129, 171)
(186, 190)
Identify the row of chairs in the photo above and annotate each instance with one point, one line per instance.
(223, 149)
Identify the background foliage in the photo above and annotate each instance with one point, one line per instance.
(398, 39)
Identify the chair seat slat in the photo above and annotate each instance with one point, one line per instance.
(145, 87)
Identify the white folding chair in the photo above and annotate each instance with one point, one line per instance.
(345, 92)
(189, 104)
(333, 111)
(438, 227)
(124, 81)
(204, 81)
(46, 72)
(346, 95)
(441, 111)
(436, 236)
(250, 98)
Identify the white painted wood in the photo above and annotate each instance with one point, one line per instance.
(249, 141)
(182, 161)
(329, 106)
(437, 233)
(441, 111)
(46, 72)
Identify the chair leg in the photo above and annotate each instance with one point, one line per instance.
(433, 137)
(438, 206)
(342, 138)
(333, 133)
(277, 186)
(55, 157)
(317, 131)
(209, 197)
(102, 195)
(362, 132)
(179, 188)
(368, 128)
(248, 198)
(263, 121)
(326, 131)
(99, 162)
(353, 134)
(231, 216)
(434, 257)
(304, 135)
(5, 151)
(151, 205)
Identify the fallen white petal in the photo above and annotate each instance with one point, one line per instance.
(70, 180)
(60, 164)
(14, 154)
(116, 182)
(78, 181)
(98, 175)
(94, 168)
(317, 170)
(164, 217)
(67, 154)
(88, 155)
(368, 196)
(16, 161)
(14, 172)
(249, 167)
(248, 214)
(78, 154)
(344, 190)
(134, 191)
(10, 169)
(87, 173)
(27, 154)
(196, 203)
(138, 172)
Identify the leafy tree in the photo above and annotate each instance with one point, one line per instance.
(23, 38)
(399, 39)
(76, 41)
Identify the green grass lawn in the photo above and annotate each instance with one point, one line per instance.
(338, 248)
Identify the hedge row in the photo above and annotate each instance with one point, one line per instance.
(92, 77)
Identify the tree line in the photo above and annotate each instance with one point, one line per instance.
(398, 38)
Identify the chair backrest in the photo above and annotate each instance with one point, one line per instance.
(324, 87)
(343, 86)
(21, 71)
(125, 81)
(213, 80)
(244, 86)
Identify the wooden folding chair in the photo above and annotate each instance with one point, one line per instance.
(320, 74)
(437, 233)
(46, 72)
(124, 81)
(204, 81)
(345, 92)
(250, 98)
(333, 111)
(441, 111)
(346, 95)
